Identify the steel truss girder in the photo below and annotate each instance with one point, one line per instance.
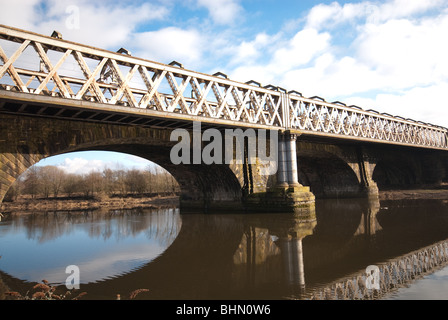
(38, 65)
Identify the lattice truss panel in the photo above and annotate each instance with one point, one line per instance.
(40, 65)
(337, 119)
(53, 68)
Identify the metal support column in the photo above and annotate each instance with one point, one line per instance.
(291, 160)
(282, 173)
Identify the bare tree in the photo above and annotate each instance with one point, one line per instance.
(149, 177)
(109, 181)
(72, 184)
(48, 180)
(120, 181)
(91, 183)
(51, 179)
(135, 181)
(31, 181)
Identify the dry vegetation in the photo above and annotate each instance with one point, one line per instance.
(439, 192)
(46, 291)
(50, 188)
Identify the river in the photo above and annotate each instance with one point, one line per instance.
(176, 255)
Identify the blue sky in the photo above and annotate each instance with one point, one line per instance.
(84, 162)
(384, 55)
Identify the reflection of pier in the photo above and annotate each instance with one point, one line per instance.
(292, 253)
(270, 236)
(393, 274)
(276, 256)
(286, 243)
(369, 224)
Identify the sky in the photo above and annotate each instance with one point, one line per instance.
(390, 56)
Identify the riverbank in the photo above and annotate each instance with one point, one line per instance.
(438, 193)
(129, 202)
(81, 203)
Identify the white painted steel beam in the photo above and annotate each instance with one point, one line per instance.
(83, 74)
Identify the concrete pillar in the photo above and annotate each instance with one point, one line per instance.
(288, 195)
(282, 174)
(291, 162)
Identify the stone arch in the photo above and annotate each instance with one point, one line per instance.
(331, 171)
(406, 167)
(327, 175)
(392, 174)
(402, 172)
(201, 185)
(27, 140)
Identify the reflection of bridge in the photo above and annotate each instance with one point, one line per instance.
(302, 260)
(57, 96)
(294, 256)
(393, 274)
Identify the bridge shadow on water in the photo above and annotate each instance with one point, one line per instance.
(265, 256)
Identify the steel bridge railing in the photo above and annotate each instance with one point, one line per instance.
(49, 66)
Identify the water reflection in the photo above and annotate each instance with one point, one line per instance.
(219, 256)
(103, 244)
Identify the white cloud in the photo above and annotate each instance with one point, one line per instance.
(168, 44)
(296, 52)
(263, 74)
(301, 49)
(245, 51)
(19, 13)
(425, 104)
(397, 9)
(97, 23)
(324, 16)
(330, 77)
(84, 162)
(393, 57)
(82, 166)
(406, 53)
(222, 11)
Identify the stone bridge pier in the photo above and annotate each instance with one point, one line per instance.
(306, 170)
(25, 140)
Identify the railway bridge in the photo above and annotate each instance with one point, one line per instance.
(57, 96)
